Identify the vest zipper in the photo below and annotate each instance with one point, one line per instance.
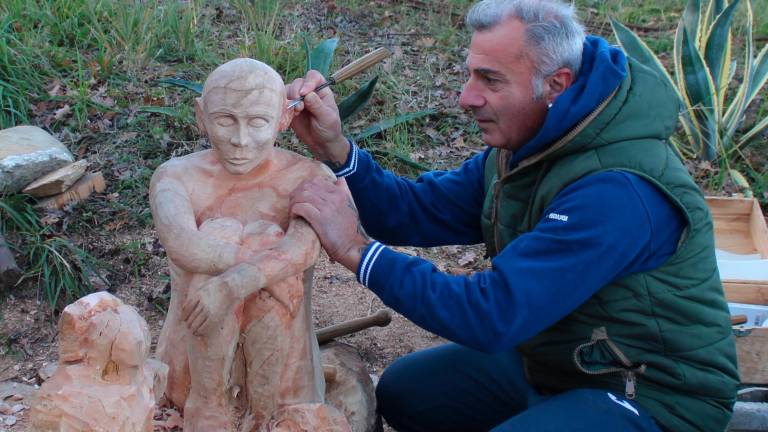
(628, 370)
(501, 176)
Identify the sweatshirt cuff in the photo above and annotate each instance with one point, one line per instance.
(367, 261)
(350, 166)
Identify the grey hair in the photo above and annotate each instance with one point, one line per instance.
(553, 32)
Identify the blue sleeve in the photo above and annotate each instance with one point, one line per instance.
(438, 208)
(598, 229)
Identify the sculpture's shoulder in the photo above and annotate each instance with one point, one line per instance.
(187, 166)
(301, 167)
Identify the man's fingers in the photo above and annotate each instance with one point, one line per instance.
(312, 80)
(307, 211)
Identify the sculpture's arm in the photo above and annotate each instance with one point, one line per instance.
(174, 219)
(296, 252)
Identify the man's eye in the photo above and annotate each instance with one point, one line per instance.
(225, 121)
(257, 122)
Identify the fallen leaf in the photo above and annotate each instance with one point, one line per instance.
(62, 112)
(55, 89)
(426, 42)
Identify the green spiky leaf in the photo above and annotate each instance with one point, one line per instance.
(717, 52)
(321, 57)
(388, 123)
(195, 87)
(357, 100)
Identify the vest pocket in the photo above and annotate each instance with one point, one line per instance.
(600, 356)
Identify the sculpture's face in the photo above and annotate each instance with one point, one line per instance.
(242, 125)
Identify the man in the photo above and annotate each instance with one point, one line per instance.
(238, 260)
(603, 310)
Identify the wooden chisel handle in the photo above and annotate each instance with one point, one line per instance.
(360, 65)
(381, 319)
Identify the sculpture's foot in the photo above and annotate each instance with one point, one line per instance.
(309, 417)
(205, 416)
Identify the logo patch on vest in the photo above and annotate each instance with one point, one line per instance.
(625, 404)
(559, 217)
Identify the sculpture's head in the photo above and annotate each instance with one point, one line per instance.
(242, 109)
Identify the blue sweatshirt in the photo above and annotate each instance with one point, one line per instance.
(598, 229)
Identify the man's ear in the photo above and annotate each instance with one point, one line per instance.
(286, 117)
(199, 115)
(557, 83)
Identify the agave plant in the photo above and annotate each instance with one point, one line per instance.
(704, 67)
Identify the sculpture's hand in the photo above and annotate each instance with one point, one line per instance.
(316, 121)
(206, 306)
(329, 208)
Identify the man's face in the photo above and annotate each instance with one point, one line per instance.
(500, 87)
(242, 125)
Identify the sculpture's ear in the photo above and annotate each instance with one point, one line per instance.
(199, 115)
(286, 117)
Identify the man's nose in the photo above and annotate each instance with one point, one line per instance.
(470, 97)
(241, 138)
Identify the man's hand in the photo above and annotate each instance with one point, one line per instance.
(207, 305)
(316, 121)
(329, 208)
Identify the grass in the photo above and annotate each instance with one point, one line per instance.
(61, 270)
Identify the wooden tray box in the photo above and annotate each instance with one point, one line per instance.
(740, 228)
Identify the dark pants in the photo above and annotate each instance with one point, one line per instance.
(453, 388)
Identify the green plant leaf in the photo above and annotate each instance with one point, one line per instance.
(636, 48)
(357, 100)
(321, 57)
(701, 95)
(388, 123)
(195, 87)
(759, 74)
(741, 182)
(691, 19)
(759, 127)
(173, 112)
(718, 48)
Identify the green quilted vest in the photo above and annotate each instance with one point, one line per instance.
(663, 337)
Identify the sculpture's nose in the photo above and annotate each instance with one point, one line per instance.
(241, 138)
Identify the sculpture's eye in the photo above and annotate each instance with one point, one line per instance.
(225, 121)
(257, 122)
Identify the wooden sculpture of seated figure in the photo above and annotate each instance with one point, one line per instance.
(238, 337)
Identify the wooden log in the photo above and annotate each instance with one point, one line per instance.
(79, 191)
(58, 181)
(10, 273)
(381, 319)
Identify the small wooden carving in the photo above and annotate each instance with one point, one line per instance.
(102, 382)
(238, 337)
